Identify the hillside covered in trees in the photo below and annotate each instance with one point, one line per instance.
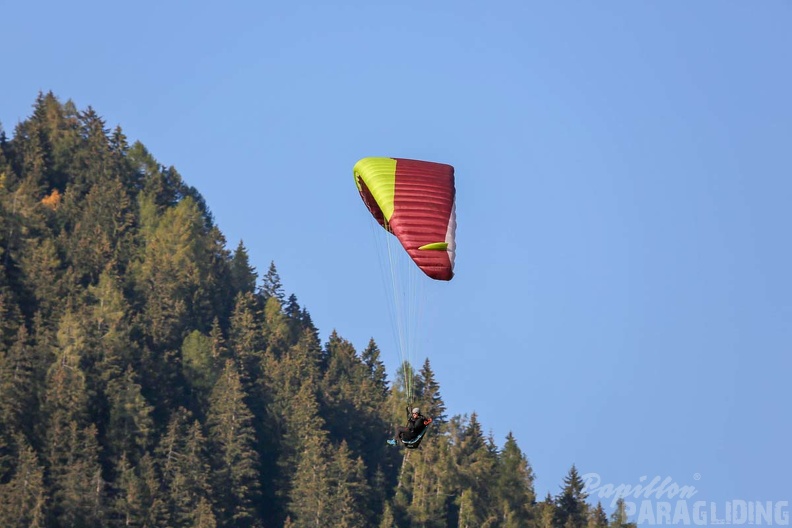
(149, 377)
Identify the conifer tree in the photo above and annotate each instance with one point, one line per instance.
(185, 468)
(41, 265)
(277, 327)
(109, 316)
(203, 516)
(101, 233)
(271, 284)
(619, 518)
(232, 438)
(23, 498)
(65, 399)
(377, 373)
(199, 366)
(243, 275)
(139, 496)
(597, 517)
(469, 510)
(304, 462)
(174, 275)
(478, 465)
(342, 397)
(246, 339)
(17, 386)
(78, 488)
(546, 510)
(387, 520)
(515, 481)
(432, 401)
(130, 425)
(571, 508)
(350, 490)
(428, 484)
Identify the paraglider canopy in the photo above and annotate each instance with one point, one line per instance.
(415, 201)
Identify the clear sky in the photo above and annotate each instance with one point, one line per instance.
(623, 298)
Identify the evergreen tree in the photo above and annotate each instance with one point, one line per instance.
(78, 488)
(433, 404)
(41, 267)
(469, 511)
(246, 339)
(138, 499)
(174, 275)
(271, 285)
(243, 275)
(478, 462)
(571, 508)
(17, 386)
(130, 424)
(101, 234)
(185, 469)
(199, 366)
(232, 439)
(350, 490)
(304, 463)
(23, 498)
(546, 510)
(597, 517)
(277, 327)
(387, 520)
(203, 516)
(515, 482)
(619, 517)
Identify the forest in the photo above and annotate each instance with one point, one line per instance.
(151, 377)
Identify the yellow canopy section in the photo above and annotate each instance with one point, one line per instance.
(379, 175)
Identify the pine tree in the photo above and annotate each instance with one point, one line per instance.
(350, 491)
(246, 339)
(304, 462)
(174, 275)
(310, 498)
(271, 285)
(546, 510)
(341, 394)
(199, 366)
(377, 373)
(18, 386)
(515, 482)
(597, 517)
(101, 234)
(478, 463)
(232, 438)
(433, 404)
(78, 488)
(138, 499)
(277, 327)
(23, 498)
(203, 516)
(65, 398)
(130, 424)
(619, 517)
(387, 520)
(469, 516)
(243, 275)
(185, 468)
(571, 508)
(41, 267)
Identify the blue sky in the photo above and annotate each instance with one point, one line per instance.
(622, 298)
